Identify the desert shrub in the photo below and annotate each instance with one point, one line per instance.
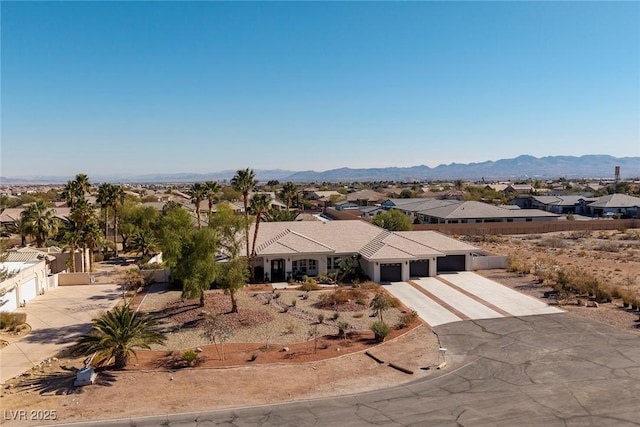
(407, 319)
(368, 284)
(616, 292)
(276, 295)
(98, 257)
(515, 266)
(579, 234)
(320, 318)
(361, 301)
(608, 247)
(294, 302)
(335, 316)
(603, 295)
(305, 296)
(358, 315)
(552, 242)
(323, 278)
(380, 330)
(190, 357)
(310, 285)
(342, 328)
(342, 296)
(12, 321)
(253, 357)
(290, 329)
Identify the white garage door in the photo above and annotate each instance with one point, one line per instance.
(9, 301)
(28, 290)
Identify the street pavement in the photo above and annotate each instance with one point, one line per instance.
(56, 318)
(543, 370)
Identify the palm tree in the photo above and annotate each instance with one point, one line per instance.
(40, 221)
(197, 192)
(288, 193)
(144, 242)
(212, 189)
(260, 204)
(243, 181)
(92, 237)
(75, 189)
(117, 334)
(118, 199)
(106, 200)
(72, 239)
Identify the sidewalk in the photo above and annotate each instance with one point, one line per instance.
(56, 319)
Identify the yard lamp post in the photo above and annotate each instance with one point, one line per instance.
(441, 353)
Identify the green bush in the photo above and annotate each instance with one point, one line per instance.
(380, 330)
(11, 321)
(190, 357)
(407, 319)
(310, 285)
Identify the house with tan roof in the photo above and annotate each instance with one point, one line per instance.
(287, 249)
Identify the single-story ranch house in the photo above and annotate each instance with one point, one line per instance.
(287, 249)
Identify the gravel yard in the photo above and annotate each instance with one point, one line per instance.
(281, 316)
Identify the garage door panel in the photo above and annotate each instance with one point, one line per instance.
(28, 290)
(419, 268)
(8, 302)
(452, 263)
(390, 272)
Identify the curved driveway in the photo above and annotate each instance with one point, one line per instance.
(553, 369)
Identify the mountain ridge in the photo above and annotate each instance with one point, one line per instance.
(521, 167)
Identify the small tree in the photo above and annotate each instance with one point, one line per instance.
(133, 279)
(217, 331)
(343, 328)
(393, 220)
(234, 276)
(382, 302)
(313, 334)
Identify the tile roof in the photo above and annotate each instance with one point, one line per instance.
(616, 201)
(349, 237)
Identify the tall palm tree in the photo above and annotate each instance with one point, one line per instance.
(92, 237)
(82, 213)
(40, 221)
(243, 181)
(288, 193)
(197, 192)
(106, 199)
(117, 334)
(260, 204)
(75, 189)
(212, 189)
(118, 199)
(72, 239)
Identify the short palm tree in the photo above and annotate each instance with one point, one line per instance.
(197, 192)
(117, 334)
(288, 193)
(243, 181)
(40, 221)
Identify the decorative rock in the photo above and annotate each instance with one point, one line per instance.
(198, 350)
(285, 349)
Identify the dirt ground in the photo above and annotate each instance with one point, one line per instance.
(305, 371)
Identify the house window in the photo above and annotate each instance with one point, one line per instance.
(333, 263)
(304, 265)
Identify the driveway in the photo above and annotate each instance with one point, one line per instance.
(464, 296)
(544, 370)
(56, 319)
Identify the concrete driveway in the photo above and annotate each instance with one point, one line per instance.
(464, 296)
(56, 319)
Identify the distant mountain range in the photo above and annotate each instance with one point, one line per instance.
(522, 167)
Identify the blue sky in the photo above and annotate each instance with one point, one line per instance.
(149, 87)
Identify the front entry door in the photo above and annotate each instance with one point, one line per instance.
(277, 270)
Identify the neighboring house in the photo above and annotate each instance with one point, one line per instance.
(287, 249)
(366, 197)
(323, 196)
(28, 278)
(610, 205)
(621, 205)
(447, 211)
(347, 206)
(519, 189)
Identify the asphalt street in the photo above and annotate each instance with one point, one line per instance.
(544, 370)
